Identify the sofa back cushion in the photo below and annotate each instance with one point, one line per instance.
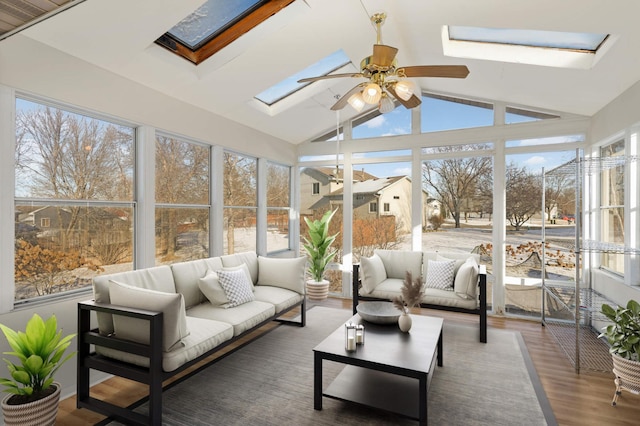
(187, 274)
(249, 258)
(282, 272)
(398, 262)
(373, 272)
(466, 282)
(174, 324)
(159, 278)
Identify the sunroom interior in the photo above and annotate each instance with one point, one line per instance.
(174, 152)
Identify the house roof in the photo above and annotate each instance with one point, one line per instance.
(371, 186)
(118, 36)
(358, 175)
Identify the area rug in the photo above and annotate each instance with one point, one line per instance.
(270, 382)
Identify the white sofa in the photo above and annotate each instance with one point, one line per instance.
(156, 322)
(452, 281)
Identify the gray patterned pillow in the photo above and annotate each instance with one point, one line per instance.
(440, 274)
(236, 286)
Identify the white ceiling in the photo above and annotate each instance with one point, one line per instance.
(118, 35)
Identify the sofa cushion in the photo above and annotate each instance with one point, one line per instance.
(242, 317)
(440, 274)
(158, 278)
(249, 258)
(210, 286)
(279, 297)
(398, 262)
(466, 280)
(187, 274)
(174, 322)
(282, 272)
(373, 272)
(236, 286)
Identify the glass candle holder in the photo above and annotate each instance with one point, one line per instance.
(359, 334)
(350, 337)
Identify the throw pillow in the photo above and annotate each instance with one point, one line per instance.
(236, 285)
(373, 272)
(466, 279)
(440, 274)
(211, 288)
(174, 322)
(282, 272)
(243, 267)
(458, 262)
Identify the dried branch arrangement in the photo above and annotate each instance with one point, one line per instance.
(411, 293)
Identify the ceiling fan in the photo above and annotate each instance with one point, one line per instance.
(385, 80)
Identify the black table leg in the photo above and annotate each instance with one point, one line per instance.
(440, 352)
(422, 405)
(317, 381)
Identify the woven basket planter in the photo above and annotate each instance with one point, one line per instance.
(317, 290)
(627, 374)
(37, 413)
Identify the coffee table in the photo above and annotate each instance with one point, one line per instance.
(391, 371)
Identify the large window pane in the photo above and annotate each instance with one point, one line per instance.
(181, 234)
(612, 204)
(375, 124)
(278, 206)
(239, 230)
(74, 193)
(240, 201)
(447, 113)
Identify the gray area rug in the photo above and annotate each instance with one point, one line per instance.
(270, 382)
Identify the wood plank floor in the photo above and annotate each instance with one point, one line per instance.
(577, 399)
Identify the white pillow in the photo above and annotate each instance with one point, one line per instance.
(440, 274)
(466, 280)
(282, 272)
(137, 330)
(398, 262)
(373, 272)
(211, 288)
(237, 286)
(243, 267)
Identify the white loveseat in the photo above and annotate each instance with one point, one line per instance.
(154, 323)
(452, 281)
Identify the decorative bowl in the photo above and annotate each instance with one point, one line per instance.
(378, 312)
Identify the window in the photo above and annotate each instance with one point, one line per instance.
(373, 207)
(612, 204)
(386, 207)
(278, 206)
(376, 124)
(216, 24)
(518, 115)
(439, 113)
(240, 203)
(73, 199)
(396, 197)
(316, 188)
(182, 200)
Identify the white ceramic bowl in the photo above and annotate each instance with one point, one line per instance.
(378, 312)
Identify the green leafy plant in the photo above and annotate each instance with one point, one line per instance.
(624, 334)
(39, 349)
(318, 245)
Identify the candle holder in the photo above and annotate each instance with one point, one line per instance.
(359, 334)
(350, 337)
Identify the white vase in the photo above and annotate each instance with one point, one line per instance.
(404, 322)
(317, 290)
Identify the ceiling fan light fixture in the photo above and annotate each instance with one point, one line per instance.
(356, 101)
(372, 93)
(386, 104)
(405, 89)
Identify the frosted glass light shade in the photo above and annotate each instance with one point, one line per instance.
(372, 93)
(405, 89)
(386, 104)
(356, 101)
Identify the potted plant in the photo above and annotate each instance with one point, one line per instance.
(624, 337)
(320, 255)
(34, 394)
(411, 293)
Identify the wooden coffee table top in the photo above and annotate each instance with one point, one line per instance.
(387, 345)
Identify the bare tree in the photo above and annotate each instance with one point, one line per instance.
(524, 192)
(455, 179)
(239, 191)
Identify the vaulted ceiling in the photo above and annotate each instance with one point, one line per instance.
(118, 35)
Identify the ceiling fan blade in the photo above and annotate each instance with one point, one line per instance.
(342, 102)
(448, 71)
(413, 101)
(329, 76)
(383, 55)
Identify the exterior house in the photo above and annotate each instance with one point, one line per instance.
(318, 182)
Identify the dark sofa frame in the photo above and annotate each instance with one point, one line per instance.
(153, 376)
(481, 310)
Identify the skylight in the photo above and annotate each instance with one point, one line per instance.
(290, 85)
(216, 24)
(550, 39)
(547, 48)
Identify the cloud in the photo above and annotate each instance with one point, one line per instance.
(535, 161)
(402, 171)
(376, 122)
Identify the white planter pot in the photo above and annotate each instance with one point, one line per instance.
(317, 290)
(627, 374)
(37, 413)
